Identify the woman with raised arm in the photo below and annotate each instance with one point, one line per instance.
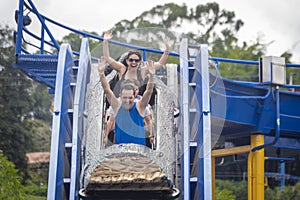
(133, 60)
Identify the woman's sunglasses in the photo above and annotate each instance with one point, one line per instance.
(133, 60)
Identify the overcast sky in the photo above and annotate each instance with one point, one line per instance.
(276, 20)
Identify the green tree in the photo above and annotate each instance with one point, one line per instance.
(224, 195)
(25, 108)
(238, 189)
(75, 41)
(10, 181)
(270, 194)
(209, 24)
(173, 17)
(229, 48)
(289, 192)
(41, 135)
(15, 103)
(42, 100)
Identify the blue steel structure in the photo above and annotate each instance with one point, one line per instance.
(201, 110)
(195, 122)
(62, 133)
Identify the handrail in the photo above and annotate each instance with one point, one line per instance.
(249, 62)
(40, 16)
(43, 24)
(37, 37)
(244, 96)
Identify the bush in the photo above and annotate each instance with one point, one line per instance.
(239, 189)
(36, 190)
(224, 195)
(10, 184)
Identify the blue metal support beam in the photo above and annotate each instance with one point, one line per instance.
(83, 78)
(204, 179)
(59, 166)
(184, 100)
(20, 28)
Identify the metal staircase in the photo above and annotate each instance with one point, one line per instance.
(40, 67)
(195, 123)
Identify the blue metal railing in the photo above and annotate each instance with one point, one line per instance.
(249, 62)
(43, 20)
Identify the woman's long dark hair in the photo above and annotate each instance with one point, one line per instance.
(129, 53)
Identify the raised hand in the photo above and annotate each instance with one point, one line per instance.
(108, 35)
(150, 66)
(167, 43)
(102, 64)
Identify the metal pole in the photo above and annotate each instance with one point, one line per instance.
(258, 167)
(282, 173)
(184, 94)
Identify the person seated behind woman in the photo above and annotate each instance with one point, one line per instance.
(129, 115)
(131, 68)
(109, 131)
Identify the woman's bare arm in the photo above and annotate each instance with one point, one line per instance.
(119, 67)
(164, 56)
(112, 99)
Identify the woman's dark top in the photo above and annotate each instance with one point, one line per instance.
(115, 85)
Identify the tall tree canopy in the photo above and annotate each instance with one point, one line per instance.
(75, 41)
(20, 104)
(204, 24)
(15, 103)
